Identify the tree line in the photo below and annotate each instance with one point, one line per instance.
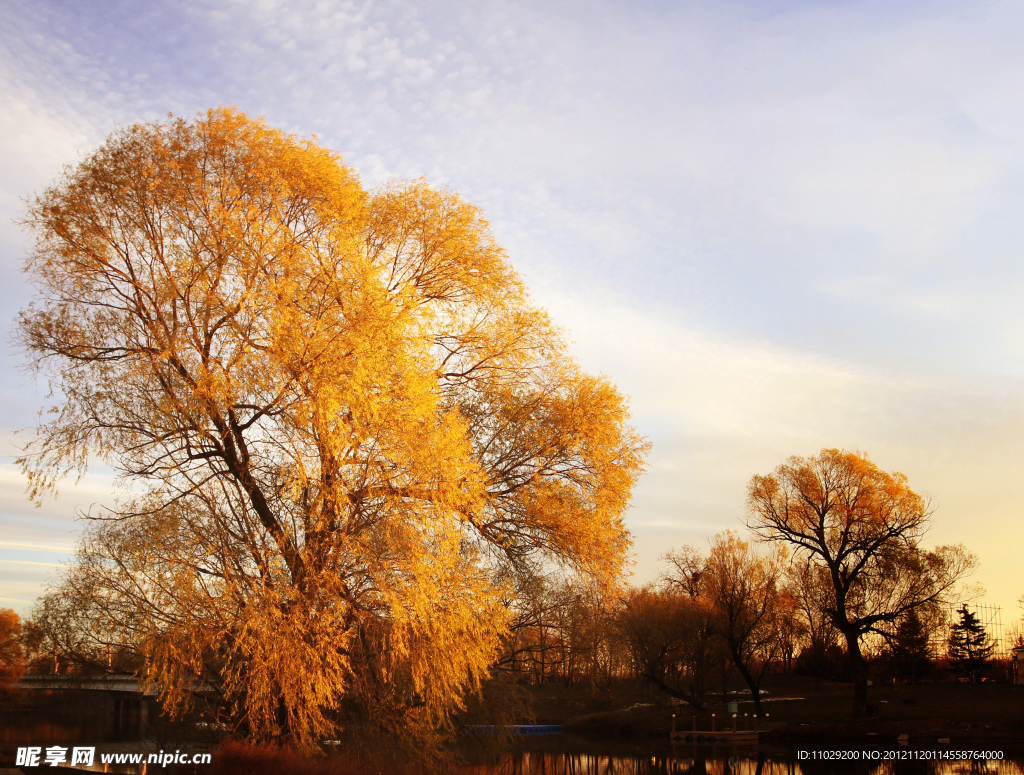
(843, 575)
(713, 618)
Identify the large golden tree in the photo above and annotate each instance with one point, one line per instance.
(340, 423)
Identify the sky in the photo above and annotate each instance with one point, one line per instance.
(776, 226)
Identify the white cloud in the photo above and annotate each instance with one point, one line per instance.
(816, 207)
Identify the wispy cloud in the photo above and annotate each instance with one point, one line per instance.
(721, 409)
(43, 547)
(777, 226)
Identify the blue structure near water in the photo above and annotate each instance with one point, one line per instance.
(515, 729)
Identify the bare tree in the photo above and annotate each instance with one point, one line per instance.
(742, 589)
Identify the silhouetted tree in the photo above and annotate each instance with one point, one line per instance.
(671, 639)
(969, 646)
(910, 651)
(859, 527)
(742, 588)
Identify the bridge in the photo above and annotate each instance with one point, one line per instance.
(98, 683)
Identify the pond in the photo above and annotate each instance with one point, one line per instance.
(568, 757)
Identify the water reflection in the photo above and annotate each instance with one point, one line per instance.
(708, 761)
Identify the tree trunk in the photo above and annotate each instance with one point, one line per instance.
(755, 690)
(859, 667)
(748, 677)
(690, 698)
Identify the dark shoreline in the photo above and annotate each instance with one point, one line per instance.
(1007, 735)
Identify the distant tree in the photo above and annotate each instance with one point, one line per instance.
(1014, 635)
(909, 651)
(791, 629)
(824, 661)
(1016, 639)
(12, 655)
(742, 588)
(819, 654)
(672, 641)
(858, 528)
(60, 637)
(560, 628)
(686, 571)
(593, 650)
(970, 647)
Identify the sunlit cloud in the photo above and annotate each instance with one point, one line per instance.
(43, 547)
(720, 410)
(776, 227)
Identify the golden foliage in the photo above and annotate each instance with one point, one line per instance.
(740, 589)
(12, 655)
(860, 526)
(672, 640)
(858, 529)
(341, 423)
(744, 587)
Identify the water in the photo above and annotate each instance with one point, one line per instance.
(693, 760)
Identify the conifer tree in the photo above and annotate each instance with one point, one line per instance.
(910, 650)
(970, 648)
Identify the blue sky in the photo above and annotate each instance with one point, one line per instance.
(777, 226)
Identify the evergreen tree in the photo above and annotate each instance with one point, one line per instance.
(909, 650)
(969, 646)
